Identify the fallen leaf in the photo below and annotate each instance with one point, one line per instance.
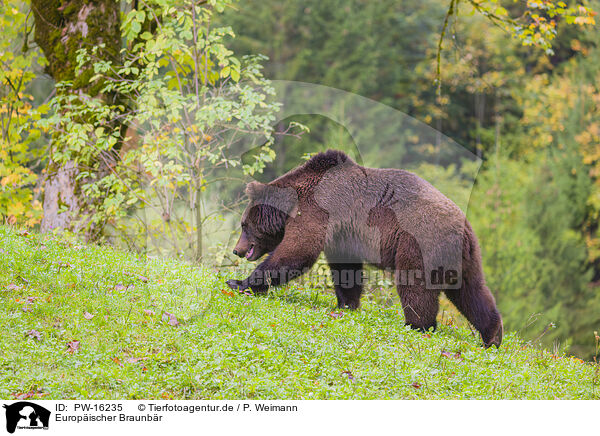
(336, 315)
(315, 327)
(170, 319)
(34, 334)
(117, 361)
(226, 292)
(415, 385)
(73, 347)
(31, 299)
(148, 312)
(450, 355)
(31, 394)
(88, 315)
(24, 233)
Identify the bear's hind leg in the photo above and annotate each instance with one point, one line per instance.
(475, 301)
(347, 279)
(420, 306)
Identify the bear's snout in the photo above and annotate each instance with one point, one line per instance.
(244, 249)
(239, 253)
(242, 246)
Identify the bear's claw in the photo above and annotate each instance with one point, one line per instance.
(236, 285)
(496, 338)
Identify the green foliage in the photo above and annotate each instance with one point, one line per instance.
(18, 200)
(534, 256)
(369, 48)
(556, 211)
(86, 322)
(535, 21)
(187, 101)
(532, 23)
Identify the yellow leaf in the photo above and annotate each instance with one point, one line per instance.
(16, 209)
(501, 12)
(584, 20)
(11, 178)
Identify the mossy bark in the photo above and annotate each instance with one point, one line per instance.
(61, 28)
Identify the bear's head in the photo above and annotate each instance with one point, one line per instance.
(263, 221)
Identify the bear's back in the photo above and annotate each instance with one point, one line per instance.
(351, 194)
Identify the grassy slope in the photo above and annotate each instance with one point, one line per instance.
(287, 345)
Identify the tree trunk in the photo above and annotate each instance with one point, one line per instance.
(61, 28)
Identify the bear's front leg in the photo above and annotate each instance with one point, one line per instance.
(238, 285)
(255, 282)
(293, 257)
(348, 282)
(270, 273)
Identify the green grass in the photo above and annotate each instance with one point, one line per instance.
(292, 344)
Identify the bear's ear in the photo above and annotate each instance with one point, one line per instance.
(255, 190)
(282, 198)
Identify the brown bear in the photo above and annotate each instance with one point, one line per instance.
(391, 219)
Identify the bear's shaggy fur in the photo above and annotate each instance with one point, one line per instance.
(388, 218)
